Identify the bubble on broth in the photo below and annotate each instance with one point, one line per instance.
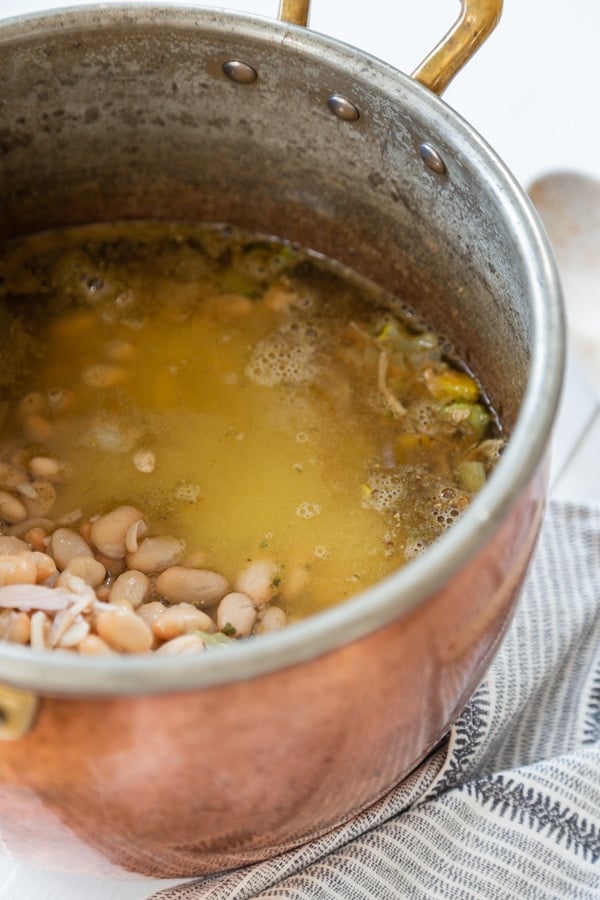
(384, 491)
(308, 510)
(445, 518)
(447, 506)
(415, 548)
(187, 492)
(282, 359)
(425, 416)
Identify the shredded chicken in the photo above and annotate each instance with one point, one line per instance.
(395, 407)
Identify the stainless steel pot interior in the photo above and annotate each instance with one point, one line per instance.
(127, 112)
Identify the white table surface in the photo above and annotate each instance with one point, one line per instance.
(531, 93)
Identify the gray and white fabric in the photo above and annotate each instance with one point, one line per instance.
(509, 805)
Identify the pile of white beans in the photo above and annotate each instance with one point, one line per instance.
(111, 587)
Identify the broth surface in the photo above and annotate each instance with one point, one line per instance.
(252, 400)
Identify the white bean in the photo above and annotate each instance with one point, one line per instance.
(37, 429)
(65, 545)
(109, 532)
(17, 628)
(272, 619)
(257, 581)
(236, 611)
(103, 375)
(124, 631)
(103, 593)
(125, 604)
(92, 645)
(48, 468)
(87, 568)
(17, 569)
(155, 554)
(150, 611)
(201, 587)
(10, 544)
(185, 643)
(183, 618)
(44, 564)
(12, 510)
(131, 587)
(36, 538)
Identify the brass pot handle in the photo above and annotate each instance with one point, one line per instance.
(294, 11)
(476, 21)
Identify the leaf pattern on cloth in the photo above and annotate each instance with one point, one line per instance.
(509, 805)
(512, 798)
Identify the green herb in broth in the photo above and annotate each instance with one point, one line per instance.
(210, 432)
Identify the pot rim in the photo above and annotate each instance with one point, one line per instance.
(53, 672)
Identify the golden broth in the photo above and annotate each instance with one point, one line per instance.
(252, 399)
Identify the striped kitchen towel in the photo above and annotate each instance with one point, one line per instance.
(509, 805)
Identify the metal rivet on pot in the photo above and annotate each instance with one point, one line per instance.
(239, 71)
(432, 159)
(343, 108)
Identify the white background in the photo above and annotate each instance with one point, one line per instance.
(532, 93)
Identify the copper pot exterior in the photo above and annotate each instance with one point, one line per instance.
(175, 770)
(189, 783)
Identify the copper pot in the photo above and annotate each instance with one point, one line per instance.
(182, 766)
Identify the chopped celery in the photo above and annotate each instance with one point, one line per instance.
(214, 640)
(470, 416)
(471, 476)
